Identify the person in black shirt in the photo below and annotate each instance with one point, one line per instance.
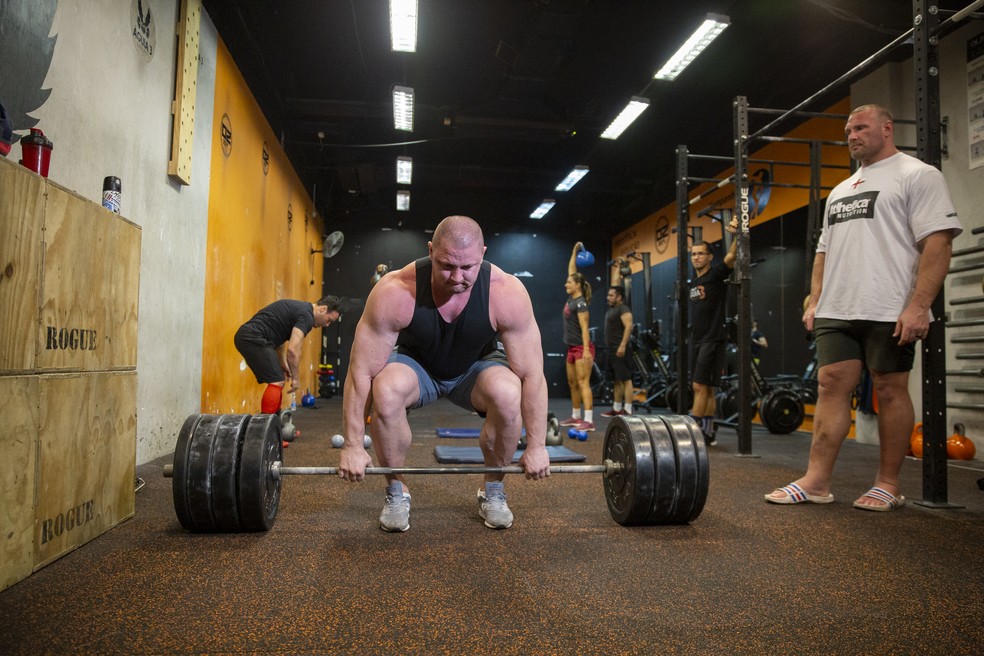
(708, 297)
(431, 329)
(618, 330)
(270, 342)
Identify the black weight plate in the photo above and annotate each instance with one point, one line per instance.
(665, 483)
(179, 474)
(259, 491)
(226, 448)
(198, 475)
(721, 405)
(630, 492)
(692, 467)
(672, 392)
(782, 411)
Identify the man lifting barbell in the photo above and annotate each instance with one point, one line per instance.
(429, 330)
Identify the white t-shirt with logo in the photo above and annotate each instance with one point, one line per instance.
(872, 224)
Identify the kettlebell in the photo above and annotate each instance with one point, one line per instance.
(287, 430)
(584, 258)
(307, 400)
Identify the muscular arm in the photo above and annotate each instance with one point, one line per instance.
(584, 318)
(816, 286)
(512, 316)
(292, 358)
(626, 334)
(934, 262)
(729, 257)
(616, 271)
(385, 315)
(572, 265)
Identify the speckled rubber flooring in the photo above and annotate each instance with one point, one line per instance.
(746, 577)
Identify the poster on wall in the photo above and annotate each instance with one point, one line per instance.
(975, 100)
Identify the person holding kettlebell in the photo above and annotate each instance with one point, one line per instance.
(580, 350)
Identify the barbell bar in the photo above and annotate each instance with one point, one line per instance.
(227, 471)
(277, 469)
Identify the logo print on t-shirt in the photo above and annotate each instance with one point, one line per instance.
(861, 206)
(697, 293)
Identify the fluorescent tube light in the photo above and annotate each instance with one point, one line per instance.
(403, 200)
(572, 178)
(542, 210)
(700, 39)
(631, 112)
(403, 25)
(403, 108)
(404, 170)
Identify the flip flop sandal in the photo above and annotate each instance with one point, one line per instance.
(888, 500)
(795, 494)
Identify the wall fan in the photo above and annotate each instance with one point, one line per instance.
(331, 246)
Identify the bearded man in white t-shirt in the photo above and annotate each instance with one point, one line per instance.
(881, 260)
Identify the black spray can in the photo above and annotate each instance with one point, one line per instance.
(111, 193)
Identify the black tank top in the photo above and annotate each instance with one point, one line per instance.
(446, 349)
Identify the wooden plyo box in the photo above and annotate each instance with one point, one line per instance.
(69, 279)
(86, 459)
(70, 469)
(69, 289)
(18, 476)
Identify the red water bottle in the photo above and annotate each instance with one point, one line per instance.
(36, 152)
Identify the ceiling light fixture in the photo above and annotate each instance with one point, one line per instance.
(404, 170)
(403, 201)
(542, 210)
(572, 178)
(403, 108)
(403, 25)
(636, 106)
(709, 30)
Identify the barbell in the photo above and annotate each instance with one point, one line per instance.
(227, 471)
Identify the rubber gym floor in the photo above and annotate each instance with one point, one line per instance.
(746, 577)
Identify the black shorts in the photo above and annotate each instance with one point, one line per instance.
(871, 342)
(619, 368)
(260, 355)
(708, 362)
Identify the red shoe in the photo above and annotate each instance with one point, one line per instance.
(570, 421)
(612, 413)
(585, 426)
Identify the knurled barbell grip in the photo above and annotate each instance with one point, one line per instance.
(277, 470)
(608, 468)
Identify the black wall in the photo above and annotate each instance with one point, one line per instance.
(779, 279)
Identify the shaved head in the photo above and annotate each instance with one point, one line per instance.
(458, 232)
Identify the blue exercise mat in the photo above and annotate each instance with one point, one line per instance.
(461, 432)
(473, 454)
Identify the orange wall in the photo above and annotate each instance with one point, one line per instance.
(255, 256)
(655, 233)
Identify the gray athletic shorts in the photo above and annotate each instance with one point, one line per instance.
(457, 390)
(869, 341)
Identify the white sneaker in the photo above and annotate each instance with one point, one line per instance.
(492, 506)
(395, 517)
